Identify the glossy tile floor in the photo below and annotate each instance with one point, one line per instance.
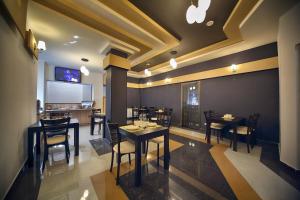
(87, 176)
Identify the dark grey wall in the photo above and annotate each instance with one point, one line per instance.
(168, 96)
(240, 95)
(133, 97)
(258, 53)
(245, 94)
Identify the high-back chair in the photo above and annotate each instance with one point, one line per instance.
(119, 145)
(248, 130)
(55, 132)
(166, 122)
(97, 121)
(215, 127)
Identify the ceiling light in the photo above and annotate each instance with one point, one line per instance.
(147, 72)
(167, 80)
(173, 63)
(191, 14)
(73, 42)
(84, 70)
(41, 46)
(233, 68)
(75, 36)
(149, 83)
(210, 23)
(197, 14)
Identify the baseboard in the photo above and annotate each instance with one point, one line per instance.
(18, 175)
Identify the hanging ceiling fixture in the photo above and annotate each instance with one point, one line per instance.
(84, 70)
(147, 72)
(172, 61)
(197, 14)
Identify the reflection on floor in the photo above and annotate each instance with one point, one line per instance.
(87, 176)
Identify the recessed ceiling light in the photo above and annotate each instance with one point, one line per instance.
(85, 59)
(73, 42)
(210, 23)
(75, 36)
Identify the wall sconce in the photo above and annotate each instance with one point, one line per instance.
(149, 83)
(167, 80)
(233, 68)
(41, 46)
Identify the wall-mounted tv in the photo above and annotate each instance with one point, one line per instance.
(67, 75)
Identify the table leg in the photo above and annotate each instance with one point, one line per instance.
(38, 142)
(234, 139)
(138, 167)
(92, 125)
(208, 132)
(104, 126)
(144, 147)
(76, 139)
(30, 147)
(166, 151)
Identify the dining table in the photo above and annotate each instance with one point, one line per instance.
(94, 116)
(36, 129)
(230, 123)
(140, 136)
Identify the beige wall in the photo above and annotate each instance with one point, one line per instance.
(95, 78)
(289, 78)
(18, 79)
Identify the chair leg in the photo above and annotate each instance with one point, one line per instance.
(67, 154)
(157, 154)
(147, 144)
(45, 157)
(118, 168)
(112, 160)
(248, 141)
(231, 138)
(129, 158)
(218, 137)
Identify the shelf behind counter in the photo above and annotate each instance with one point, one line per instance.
(75, 111)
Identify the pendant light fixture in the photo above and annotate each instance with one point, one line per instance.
(173, 61)
(197, 14)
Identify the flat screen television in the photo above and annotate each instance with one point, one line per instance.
(67, 75)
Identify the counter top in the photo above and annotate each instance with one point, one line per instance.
(65, 110)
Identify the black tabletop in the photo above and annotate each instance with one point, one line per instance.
(144, 133)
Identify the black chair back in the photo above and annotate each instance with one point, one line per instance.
(166, 119)
(252, 122)
(208, 114)
(113, 135)
(53, 127)
(98, 110)
(151, 112)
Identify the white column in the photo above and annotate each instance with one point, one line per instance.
(289, 86)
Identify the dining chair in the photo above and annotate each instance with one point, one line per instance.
(97, 121)
(119, 145)
(166, 122)
(248, 130)
(152, 116)
(55, 132)
(216, 127)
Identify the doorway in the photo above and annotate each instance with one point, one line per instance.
(191, 117)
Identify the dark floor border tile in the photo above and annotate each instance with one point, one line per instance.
(270, 158)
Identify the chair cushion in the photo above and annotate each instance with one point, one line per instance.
(153, 118)
(125, 147)
(158, 140)
(56, 139)
(242, 130)
(216, 126)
